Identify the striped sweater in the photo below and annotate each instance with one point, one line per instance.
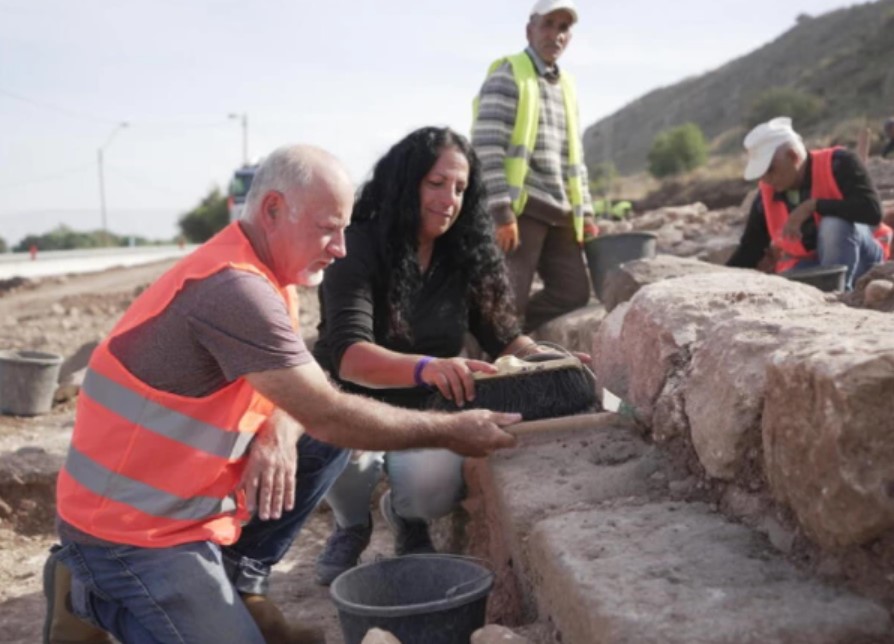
(548, 169)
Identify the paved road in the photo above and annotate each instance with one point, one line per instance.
(64, 262)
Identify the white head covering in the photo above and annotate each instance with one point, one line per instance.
(543, 7)
(763, 141)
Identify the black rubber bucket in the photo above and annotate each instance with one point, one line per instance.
(421, 599)
(825, 278)
(607, 252)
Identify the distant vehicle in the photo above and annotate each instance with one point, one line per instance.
(240, 184)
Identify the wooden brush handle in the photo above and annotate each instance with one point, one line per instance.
(567, 423)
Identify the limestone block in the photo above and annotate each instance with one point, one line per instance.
(874, 289)
(877, 291)
(608, 364)
(661, 324)
(686, 248)
(652, 220)
(550, 474)
(28, 489)
(689, 213)
(668, 573)
(725, 390)
(622, 283)
(668, 237)
(573, 331)
(826, 429)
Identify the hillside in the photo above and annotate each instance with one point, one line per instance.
(846, 57)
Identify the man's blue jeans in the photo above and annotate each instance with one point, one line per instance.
(158, 595)
(265, 543)
(844, 242)
(188, 593)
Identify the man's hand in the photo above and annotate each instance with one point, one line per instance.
(478, 432)
(269, 477)
(591, 228)
(507, 237)
(797, 217)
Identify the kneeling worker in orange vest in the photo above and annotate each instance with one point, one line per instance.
(189, 418)
(816, 208)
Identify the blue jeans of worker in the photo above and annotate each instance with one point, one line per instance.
(188, 593)
(844, 242)
(158, 595)
(425, 484)
(265, 543)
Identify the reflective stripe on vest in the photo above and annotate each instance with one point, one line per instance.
(823, 186)
(165, 422)
(524, 137)
(155, 469)
(150, 500)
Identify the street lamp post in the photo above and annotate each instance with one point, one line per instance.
(102, 185)
(243, 118)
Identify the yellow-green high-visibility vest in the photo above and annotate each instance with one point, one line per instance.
(524, 137)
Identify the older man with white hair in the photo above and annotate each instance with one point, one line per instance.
(188, 422)
(813, 208)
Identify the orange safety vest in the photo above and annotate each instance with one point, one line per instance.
(823, 186)
(155, 469)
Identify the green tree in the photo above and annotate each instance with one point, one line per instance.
(3, 247)
(803, 108)
(64, 238)
(677, 150)
(205, 220)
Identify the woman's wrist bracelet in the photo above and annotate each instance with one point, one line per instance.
(417, 371)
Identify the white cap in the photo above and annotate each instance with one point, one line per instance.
(543, 7)
(763, 141)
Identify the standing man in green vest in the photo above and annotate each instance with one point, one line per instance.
(527, 135)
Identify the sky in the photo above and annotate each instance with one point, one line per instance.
(351, 76)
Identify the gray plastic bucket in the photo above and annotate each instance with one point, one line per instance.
(608, 252)
(420, 599)
(825, 278)
(28, 381)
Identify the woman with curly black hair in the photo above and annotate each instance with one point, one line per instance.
(421, 270)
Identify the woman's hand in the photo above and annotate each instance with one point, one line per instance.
(453, 377)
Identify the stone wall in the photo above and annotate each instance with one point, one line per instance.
(775, 385)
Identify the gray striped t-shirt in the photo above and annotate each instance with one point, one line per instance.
(548, 168)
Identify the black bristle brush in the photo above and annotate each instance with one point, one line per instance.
(541, 385)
